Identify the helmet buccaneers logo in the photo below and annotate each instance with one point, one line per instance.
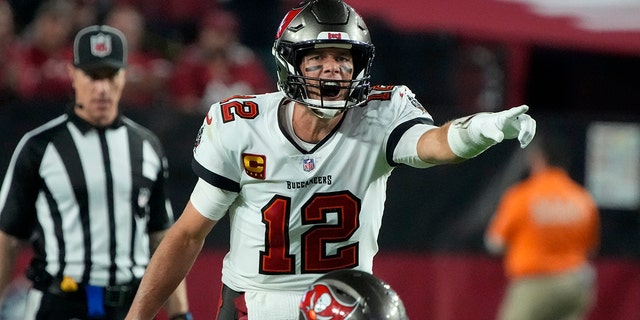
(349, 294)
(321, 303)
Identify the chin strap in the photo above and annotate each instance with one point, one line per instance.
(326, 113)
(335, 108)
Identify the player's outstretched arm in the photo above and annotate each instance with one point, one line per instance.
(170, 263)
(467, 137)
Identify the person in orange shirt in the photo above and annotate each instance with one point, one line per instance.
(548, 228)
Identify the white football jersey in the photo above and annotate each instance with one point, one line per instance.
(301, 213)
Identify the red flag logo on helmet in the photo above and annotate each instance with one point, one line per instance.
(286, 21)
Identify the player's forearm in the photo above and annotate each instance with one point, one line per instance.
(178, 302)
(168, 267)
(433, 147)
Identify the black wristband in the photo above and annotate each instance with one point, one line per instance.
(182, 316)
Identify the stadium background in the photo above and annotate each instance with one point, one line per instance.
(572, 72)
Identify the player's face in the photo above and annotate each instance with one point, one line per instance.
(98, 92)
(328, 64)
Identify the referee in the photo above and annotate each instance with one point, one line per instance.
(87, 190)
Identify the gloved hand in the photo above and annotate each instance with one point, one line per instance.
(472, 135)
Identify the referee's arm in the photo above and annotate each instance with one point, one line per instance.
(177, 302)
(9, 249)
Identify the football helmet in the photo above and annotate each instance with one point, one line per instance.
(351, 295)
(321, 24)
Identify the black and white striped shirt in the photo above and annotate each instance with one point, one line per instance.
(87, 198)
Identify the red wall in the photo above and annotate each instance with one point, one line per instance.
(446, 287)
(440, 286)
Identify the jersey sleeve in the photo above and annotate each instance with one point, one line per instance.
(19, 191)
(210, 201)
(410, 121)
(406, 151)
(213, 161)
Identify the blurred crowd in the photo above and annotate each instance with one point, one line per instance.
(186, 54)
(183, 55)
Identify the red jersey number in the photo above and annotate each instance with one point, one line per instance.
(314, 256)
(233, 106)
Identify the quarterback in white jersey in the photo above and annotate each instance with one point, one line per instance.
(303, 172)
(303, 209)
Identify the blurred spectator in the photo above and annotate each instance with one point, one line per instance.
(147, 72)
(216, 66)
(8, 123)
(7, 49)
(259, 15)
(86, 13)
(23, 12)
(548, 226)
(42, 56)
(173, 19)
(479, 78)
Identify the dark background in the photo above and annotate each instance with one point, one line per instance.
(443, 208)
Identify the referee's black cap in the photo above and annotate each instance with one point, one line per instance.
(99, 47)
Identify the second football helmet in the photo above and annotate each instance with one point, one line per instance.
(351, 295)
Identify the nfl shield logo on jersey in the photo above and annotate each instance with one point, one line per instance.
(308, 164)
(101, 45)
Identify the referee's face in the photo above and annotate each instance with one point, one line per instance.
(97, 94)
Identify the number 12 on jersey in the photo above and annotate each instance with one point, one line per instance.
(277, 259)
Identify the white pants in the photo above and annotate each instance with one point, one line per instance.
(272, 305)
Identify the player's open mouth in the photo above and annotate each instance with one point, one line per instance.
(330, 89)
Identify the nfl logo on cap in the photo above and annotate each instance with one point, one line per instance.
(101, 45)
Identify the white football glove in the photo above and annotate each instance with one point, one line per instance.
(472, 135)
